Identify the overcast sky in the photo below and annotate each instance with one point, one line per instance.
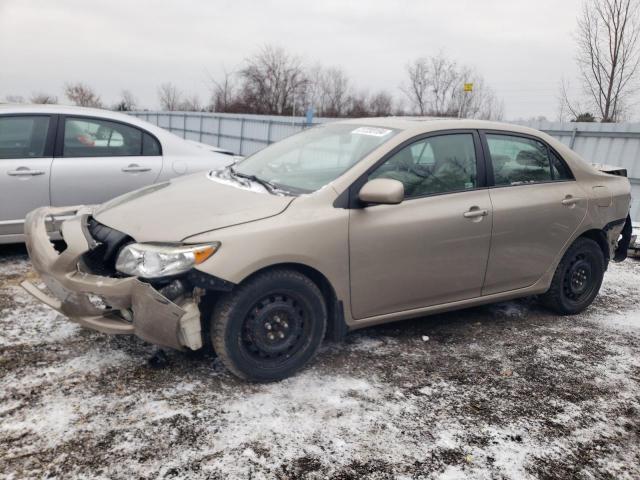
(523, 48)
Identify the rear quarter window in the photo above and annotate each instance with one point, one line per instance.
(150, 146)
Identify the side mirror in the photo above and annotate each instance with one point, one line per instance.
(385, 191)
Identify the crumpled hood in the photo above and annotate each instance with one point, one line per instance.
(186, 206)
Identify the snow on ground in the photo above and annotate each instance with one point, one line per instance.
(505, 391)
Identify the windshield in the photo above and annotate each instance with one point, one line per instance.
(309, 160)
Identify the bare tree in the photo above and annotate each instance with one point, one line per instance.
(570, 108)
(328, 90)
(445, 81)
(272, 79)
(608, 55)
(417, 91)
(127, 102)
(334, 88)
(82, 95)
(169, 96)
(14, 99)
(314, 93)
(224, 93)
(436, 88)
(191, 104)
(433, 86)
(381, 104)
(399, 107)
(359, 104)
(481, 102)
(43, 98)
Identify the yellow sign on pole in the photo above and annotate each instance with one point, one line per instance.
(468, 87)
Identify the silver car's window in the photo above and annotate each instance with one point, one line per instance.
(23, 136)
(439, 164)
(91, 137)
(309, 160)
(520, 160)
(150, 146)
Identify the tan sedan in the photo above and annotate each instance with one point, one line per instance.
(342, 226)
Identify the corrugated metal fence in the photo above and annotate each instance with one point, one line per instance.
(615, 144)
(242, 134)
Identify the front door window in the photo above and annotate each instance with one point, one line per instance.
(434, 165)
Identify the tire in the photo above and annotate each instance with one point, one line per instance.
(269, 327)
(577, 279)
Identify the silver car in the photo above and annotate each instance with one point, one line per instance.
(57, 155)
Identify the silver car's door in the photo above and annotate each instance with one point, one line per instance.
(26, 151)
(98, 159)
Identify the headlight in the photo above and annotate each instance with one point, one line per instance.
(148, 260)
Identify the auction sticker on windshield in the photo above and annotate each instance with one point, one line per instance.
(372, 131)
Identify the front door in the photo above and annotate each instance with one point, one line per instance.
(25, 165)
(432, 248)
(537, 206)
(98, 159)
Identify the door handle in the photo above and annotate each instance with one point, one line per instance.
(134, 168)
(475, 212)
(25, 172)
(570, 201)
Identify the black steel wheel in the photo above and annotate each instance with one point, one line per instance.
(577, 279)
(275, 327)
(270, 326)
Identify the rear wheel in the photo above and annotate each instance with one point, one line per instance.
(577, 279)
(270, 326)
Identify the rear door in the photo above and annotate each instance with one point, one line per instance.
(98, 159)
(26, 152)
(537, 206)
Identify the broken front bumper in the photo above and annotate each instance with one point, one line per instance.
(106, 304)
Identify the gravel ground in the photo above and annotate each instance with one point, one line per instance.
(506, 391)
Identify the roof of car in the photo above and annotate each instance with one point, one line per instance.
(429, 124)
(61, 109)
(83, 111)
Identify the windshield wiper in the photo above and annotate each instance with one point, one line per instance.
(272, 188)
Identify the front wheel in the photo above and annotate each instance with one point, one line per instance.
(270, 326)
(577, 279)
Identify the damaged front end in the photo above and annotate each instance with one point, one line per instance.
(82, 284)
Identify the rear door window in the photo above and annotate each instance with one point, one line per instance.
(90, 137)
(520, 160)
(23, 136)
